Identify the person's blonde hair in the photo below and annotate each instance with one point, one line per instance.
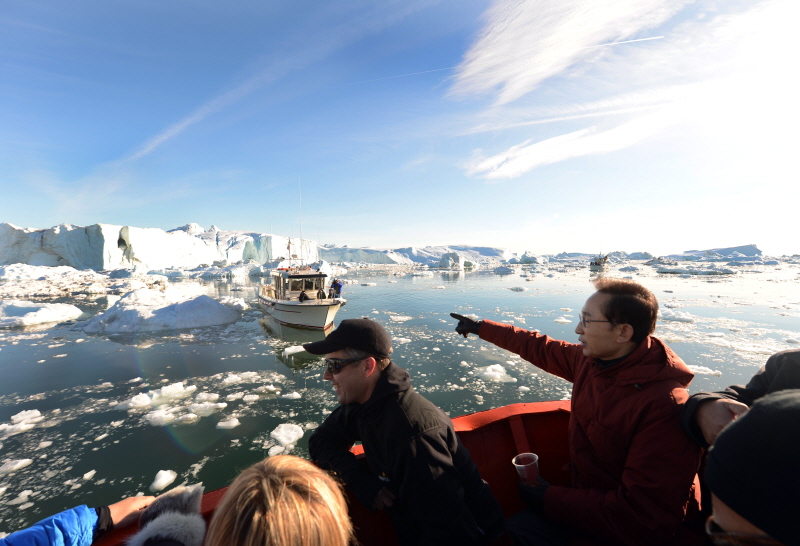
(282, 501)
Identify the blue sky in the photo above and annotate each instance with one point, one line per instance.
(549, 125)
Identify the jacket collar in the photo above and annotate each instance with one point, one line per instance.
(651, 361)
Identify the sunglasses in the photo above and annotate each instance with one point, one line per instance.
(335, 365)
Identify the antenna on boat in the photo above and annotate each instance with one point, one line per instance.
(300, 193)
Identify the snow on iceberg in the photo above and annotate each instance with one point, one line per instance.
(496, 373)
(147, 310)
(27, 313)
(287, 433)
(677, 316)
(157, 397)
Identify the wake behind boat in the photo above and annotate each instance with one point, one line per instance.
(297, 297)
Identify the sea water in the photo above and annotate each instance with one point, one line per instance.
(90, 419)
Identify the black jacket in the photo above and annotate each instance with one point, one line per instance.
(411, 448)
(782, 371)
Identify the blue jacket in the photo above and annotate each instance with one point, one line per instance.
(73, 527)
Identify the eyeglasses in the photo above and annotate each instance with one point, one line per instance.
(584, 321)
(335, 365)
(722, 538)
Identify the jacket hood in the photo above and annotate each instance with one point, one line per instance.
(645, 365)
(393, 380)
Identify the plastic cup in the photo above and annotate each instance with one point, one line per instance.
(527, 465)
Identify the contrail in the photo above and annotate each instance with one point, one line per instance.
(625, 42)
(401, 75)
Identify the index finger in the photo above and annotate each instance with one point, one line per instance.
(457, 316)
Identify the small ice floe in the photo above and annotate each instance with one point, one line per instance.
(495, 373)
(22, 499)
(398, 340)
(89, 475)
(157, 397)
(702, 370)
(287, 435)
(250, 398)
(227, 425)
(14, 465)
(160, 417)
(518, 288)
(163, 479)
(566, 310)
(562, 320)
(369, 284)
(292, 395)
(204, 409)
(715, 334)
(21, 422)
(440, 287)
(676, 316)
(523, 388)
(14, 313)
(235, 304)
(289, 352)
(206, 397)
(146, 310)
(792, 340)
(628, 268)
(399, 318)
(43, 445)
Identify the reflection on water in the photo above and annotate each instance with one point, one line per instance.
(293, 355)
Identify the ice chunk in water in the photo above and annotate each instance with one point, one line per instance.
(233, 423)
(562, 320)
(704, 371)
(89, 475)
(287, 433)
(496, 373)
(27, 415)
(15, 313)
(678, 316)
(207, 408)
(163, 479)
(292, 395)
(13, 466)
(275, 450)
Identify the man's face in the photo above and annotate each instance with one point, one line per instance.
(599, 339)
(351, 384)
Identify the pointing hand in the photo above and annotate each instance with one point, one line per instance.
(466, 325)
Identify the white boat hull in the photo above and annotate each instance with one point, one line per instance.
(316, 314)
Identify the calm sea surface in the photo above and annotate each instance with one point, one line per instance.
(85, 450)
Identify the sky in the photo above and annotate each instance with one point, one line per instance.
(541, 125)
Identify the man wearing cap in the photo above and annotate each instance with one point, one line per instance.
(418, 469)
(753, 476)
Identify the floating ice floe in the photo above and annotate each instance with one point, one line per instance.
(399, 318)
(15, 313)
(157, 397)
(147, 310)
(293, 350)
(496, 373)
(518, 288)
(287, 433)
(676, 316)
(369, 284)
(163, 479)
(204, 409)
(702, 370)
(89, 475)
(226, 425)
(21, 422)
(292, 395)
(12, 466)
(562, 320)
(398, 340)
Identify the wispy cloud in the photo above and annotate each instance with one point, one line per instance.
(529, 155)
(526, 42)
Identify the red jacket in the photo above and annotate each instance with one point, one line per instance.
(634, 471)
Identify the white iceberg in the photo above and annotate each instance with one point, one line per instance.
(676, 316)
(147, 310)
(287, 433)
(233, 423)
(15, 313)
(12, 466)
(495, 373)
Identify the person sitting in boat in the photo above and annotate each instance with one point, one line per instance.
(81, 525)
(417, 469)
(303, 296)
(752, 472)
(707, 413)
(633, 470)
(320, 294)
(282, 501)
(337, 287)
(331, 292)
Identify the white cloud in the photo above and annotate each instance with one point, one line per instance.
(526, 42)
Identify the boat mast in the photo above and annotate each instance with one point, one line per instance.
(300, 193)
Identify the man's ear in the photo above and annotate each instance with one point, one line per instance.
(625, 333)
(372, 366)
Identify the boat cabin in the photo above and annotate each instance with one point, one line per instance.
(289, 284)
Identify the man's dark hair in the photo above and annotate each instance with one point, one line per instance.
(381, 362)
(630, 303)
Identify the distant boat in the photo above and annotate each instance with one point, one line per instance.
(598, 263)
(297, 297)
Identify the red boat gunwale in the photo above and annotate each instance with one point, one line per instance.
(493, 438)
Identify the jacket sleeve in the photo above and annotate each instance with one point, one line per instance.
(658, 481)
(431, 490)
(73, 527)
(551, 355)
(329, 447)
(782, 371)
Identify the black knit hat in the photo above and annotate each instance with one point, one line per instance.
(362, 334)
(753, 466)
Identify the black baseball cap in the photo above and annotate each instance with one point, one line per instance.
(362, 334)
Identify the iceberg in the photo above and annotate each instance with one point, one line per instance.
(146, 310)
(27, 313)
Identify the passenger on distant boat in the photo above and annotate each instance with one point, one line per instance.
(633, 470)
(303, 296)
(418, 470)
(337, 287)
